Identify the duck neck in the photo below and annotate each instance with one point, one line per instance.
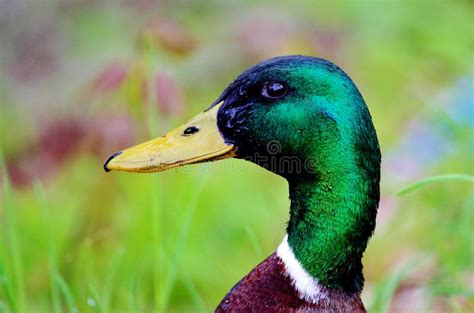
(332, 216)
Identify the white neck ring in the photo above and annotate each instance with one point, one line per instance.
(307, 286)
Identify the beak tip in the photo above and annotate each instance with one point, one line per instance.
(110, 158)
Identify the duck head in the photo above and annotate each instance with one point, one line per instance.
(287, 114)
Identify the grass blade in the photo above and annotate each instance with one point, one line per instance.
(110, 279)
(7, 287)
(435, 179)
(195, 295)
(93, 301)
(134, 298)
(386, 290)
(18, 298)
(179, 245)
(52, 255)
(66, 291)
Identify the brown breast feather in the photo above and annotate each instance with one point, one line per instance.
(267, 289)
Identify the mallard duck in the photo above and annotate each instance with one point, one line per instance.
(304, 119)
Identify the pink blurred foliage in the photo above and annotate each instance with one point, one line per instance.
(169, 34)
(411, 297)
(115, 134)
(260, 37)
(61, 139)
(42, 157)
(412, 294)
(35, 56)
(387, 207)
(169, 95)
(329, 43)
(416, 297)
(110, 78)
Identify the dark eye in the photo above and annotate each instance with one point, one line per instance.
(273, 90)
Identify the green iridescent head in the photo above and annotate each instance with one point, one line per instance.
(303, 118)
(295, 108)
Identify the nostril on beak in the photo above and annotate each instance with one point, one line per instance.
(190, 130)
(110, 159)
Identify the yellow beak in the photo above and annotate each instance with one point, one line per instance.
(196, 141)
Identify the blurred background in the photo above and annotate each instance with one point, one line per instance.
(82, 79)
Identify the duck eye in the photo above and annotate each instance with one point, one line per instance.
(273, 90)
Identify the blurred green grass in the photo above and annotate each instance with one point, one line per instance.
(82, 80)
